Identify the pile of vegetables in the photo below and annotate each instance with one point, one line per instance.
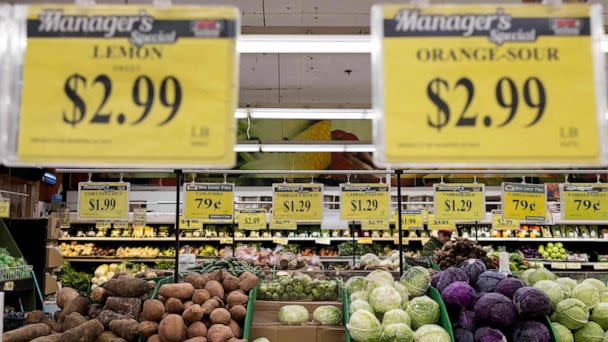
(454, 253)
(71, 278)
(298, 315)
(233, 266)
(579, 310)
(383, 309)
(298, 287)
(9, 261)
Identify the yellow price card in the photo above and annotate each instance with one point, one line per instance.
(524, 202)
(140, 216)
(584, 201)
(360, 202)
(120, 225)
(208, 201)
(410, 219)
(185, 223)
(103, 225)
(440, 224)
(282, 225)
(226, 241)
(364, 240)
(476, 93)
(375, 225)
(280, 241)
(128, 85)
(462, 202)
(500, 223)
(298, 202)
(5, 207)
(64, 218)
(252, 220)
(103, 200)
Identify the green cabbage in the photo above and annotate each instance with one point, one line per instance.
(604, 297)
(562, 333)
(592, 332)
(354, 284)
(605, 337)
(599, 285)
(378, 278)
(541, 274)
(360, 304)
(327, 315)
(293, 315)
(359, 295)
(405, 296)
(384, 298)
(572, 313)
(525, 275)
(364, 326)
(571, 283)
(599, 315)
(396, 316)
(417, 280)
(553, 290)
(423, 310)
(431, 333)
(587, 294)
(397, 332)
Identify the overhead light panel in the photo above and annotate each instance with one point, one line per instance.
(317, 147)
(305, 113)
(303, 43)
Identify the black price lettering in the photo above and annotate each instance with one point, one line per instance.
(364, 205)
(458, 205)
(207, 203)
(524, 205)
(102, 205)
(587, 205)
(301, 206)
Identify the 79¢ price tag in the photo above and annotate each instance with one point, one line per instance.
(524, 202)
(298, 202)
(208, 201)
(584, 201)
(364, 201)
(103, 200)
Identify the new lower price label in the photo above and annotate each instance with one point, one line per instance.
(463, 202)
(483, 79)
(209, 201)
(103, 200)
(524, 202)
(5, 207)
(500, 223)
(440, 224)
(298, 201)
(410, 219)
(364, 201)
(252, 220)
(584, 201)
(127, 85)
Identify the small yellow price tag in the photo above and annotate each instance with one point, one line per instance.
(226, 241)
(5, 207)
(573, 266)
(524, 202)
(375, 225)
(252, 220)
(298, 202)
(9, 286)
(208, 201)
(120, 225)
(364, 240)
(584, 201)
(404, 241)
(600, 266)
(107, 200)
(282, 225)
(359, 202)
(499, 223)
(323, 241)
(103, 225)
(435, 224)
(190, 224)
(558, 265)
(410, 219)
(140, 216)
(64, 218)
(463, 202)
(280, 241)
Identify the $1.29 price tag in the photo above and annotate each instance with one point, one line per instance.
(298, 202)
(207, 201)
(128, 85)
(103, 200)
(584, 201)
(463, 202)
(252, 220)
(364, 201)
(524, 202)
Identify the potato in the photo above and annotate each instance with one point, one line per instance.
(248, 281)
(172, 329)
(147, 328)
(72, 321)
(215, 289)
(230, 282)
(79, 304)
(200, 296)
(127, 286)
(125, 328)
(219, 333)
(183, 291)
(209, 306)
(163, 299)
(236, 298)
(220, 316)
(238, 312)
(154, 338)
(99, 295)
(188, 304)
(236, 328)
(153, 310)
(197, 329)
(86, 332)
(26, 333)
(192, 314)
(196, 339)
(174, 306)
(65, 295)
(35, 316)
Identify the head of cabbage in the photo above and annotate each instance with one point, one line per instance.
(396, 316)
(599, 285)
(587, 294)
(553, 290)
(397, 332)
(423, 310)
(359, 295)
(327, 315)
(354, 284)
(360, 304)
(384, 298)
(378, 278)
(417, 280)
(572, 313)
(363, 326)
(405, 296)
(293, 315)
(562, 333)
(431, 333)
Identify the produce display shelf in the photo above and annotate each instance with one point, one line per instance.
(154, 239)
(121, 259)
(542, 239)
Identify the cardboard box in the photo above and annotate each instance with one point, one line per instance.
(265, 324)
(50, 284)
(53, 230)
(53, 257)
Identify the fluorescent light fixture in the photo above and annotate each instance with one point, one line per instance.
(303, 43)
(317, 147)
(604, 44)
(247, 147)
(305, 113)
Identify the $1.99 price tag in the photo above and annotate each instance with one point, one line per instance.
(298, 202)
(129, 85)
(584, 201)
(252, 220)
(103, 200)
(364, 201)
(460, 201)
(209, 201)
(524, 202)
(410, 219)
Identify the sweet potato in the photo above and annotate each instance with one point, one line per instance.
(65, 295)
(192, 314)
(196, 339)
(163, 299)
(191, 279)
(219, 333)
(124, 306)
(183, 291)
(99, 295)
(201, 281)
(236, 298)
(238, 312)
(35, 316)
(153, 310)
(27, 333)
(172, 329)
(236, 328)
(220, 316)
(125, 328)
(248, 281)
(215, 289)
(230, 282)
(200, 296)
(147, 328)
(216, 275)
(106, 316)
(197, 329)
(48, 338)
(209, 306)
(56, 326)
(79, 304)
(220, 301)
(127, 286)
(154, 338)
(234, 339)
(86, 332)
(72, 321)
(174, 306)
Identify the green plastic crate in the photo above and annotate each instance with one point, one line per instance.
(552, 334)
(249, 315)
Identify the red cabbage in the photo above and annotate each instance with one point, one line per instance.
(495, 310)
(451, 275)
(487, 281)
(467, 320)
(531, 302)
(508, 286)
(458, 296)
(473, 268)
(435, 278)
(487, 334)
(531, 331)
(463, 335)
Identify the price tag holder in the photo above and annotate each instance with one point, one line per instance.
(190, 224)
(477, 93)
(588, 201)
(558, 265)
(280, 241)
(375, 225)
(252, 220)
(499, 223)
(140, 216)
(323, 241)
(298, 202)
(5, 207)
(360, 202)
(116, 86)
(64, 218)
(404, 241)
(438, 224)
(600, 266)
(282, 225)
(103, 200)
(411, 219)
(8, 286)
(208, 201)
(573, 266)
(120, 225)
(103, 225)
(524, 202)
(226, 241)
(364, 240)
(462, 202)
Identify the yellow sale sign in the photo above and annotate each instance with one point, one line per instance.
(462, 202)
(298, 202)
(471, 84)
(584, 201)
(129, 85)
(524, 202)
(359, 202)
(103, 200)
(209, 201)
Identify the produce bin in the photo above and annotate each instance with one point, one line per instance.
(249, 314)
(552, 334)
